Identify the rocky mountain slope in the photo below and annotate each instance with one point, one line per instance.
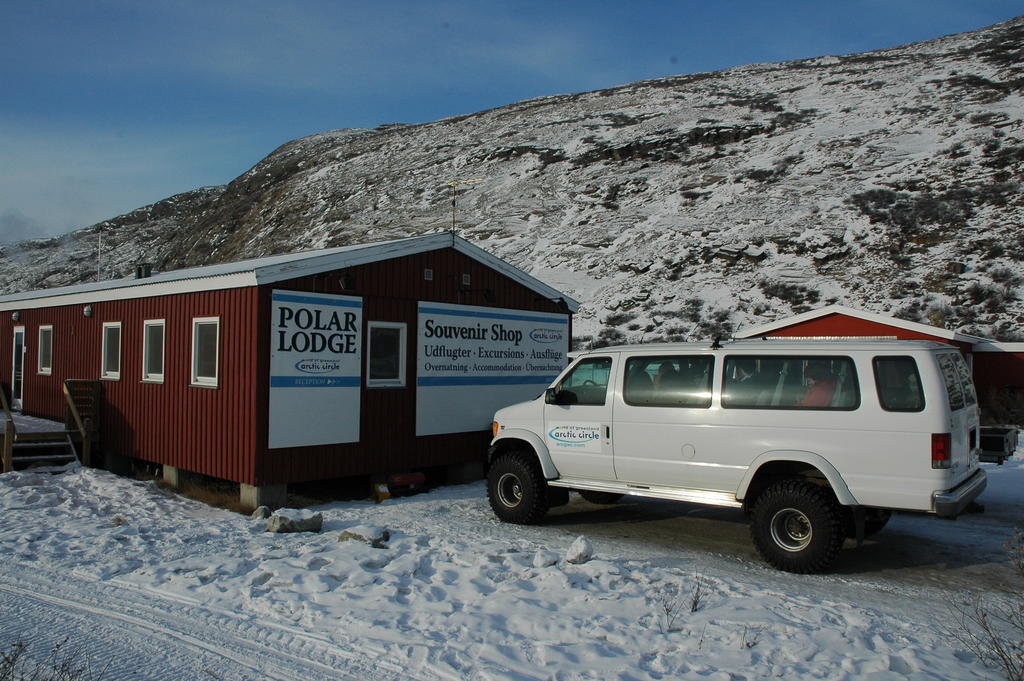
(681, 207)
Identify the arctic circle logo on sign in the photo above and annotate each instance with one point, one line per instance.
(318, 365)
(546, 335)
(577, 436)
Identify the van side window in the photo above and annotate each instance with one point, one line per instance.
(798, 382)
(587, 383)
(898, 384)
(669, 381)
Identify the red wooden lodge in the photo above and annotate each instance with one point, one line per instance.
(361, 360)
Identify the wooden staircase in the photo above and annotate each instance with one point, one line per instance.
(21, 448)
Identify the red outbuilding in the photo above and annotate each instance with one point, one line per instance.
(998, 368)
(368, 359)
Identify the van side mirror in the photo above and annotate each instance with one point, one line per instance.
(551, 396)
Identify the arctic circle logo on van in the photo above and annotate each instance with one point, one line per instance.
(575, 435)
(546, 335)
(316, 365)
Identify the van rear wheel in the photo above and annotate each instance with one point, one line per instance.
(797, 526)
(517, 489)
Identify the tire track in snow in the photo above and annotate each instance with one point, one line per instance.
(152, 637)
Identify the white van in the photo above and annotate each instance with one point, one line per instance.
(817, 441)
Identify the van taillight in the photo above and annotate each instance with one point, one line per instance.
(942, 450)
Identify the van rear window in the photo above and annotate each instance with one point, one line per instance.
(970, 396)
(898, 383)
(669, 381)
(800, 382)
(959, 386)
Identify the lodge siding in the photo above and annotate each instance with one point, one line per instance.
(995, 372)
(205, 430)
(390, 291)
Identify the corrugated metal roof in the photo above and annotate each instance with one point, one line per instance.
(267, 270)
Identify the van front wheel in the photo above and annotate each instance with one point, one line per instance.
(516, 488)
(797, 526)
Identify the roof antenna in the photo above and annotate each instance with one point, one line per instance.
(455, 184)
(717, 344)
(99, 251)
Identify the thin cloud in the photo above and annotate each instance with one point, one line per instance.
(16, 226)
(53, 180)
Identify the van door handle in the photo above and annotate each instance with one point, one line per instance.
(607, 432)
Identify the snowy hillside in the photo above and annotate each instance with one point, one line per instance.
(682, 207)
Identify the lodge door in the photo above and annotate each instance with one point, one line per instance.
(18, 368)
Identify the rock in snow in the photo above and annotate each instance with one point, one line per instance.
(545, 558)
(580, 551)
(373, 535)
(294, 520)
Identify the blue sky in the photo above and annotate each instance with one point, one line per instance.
(108, 105)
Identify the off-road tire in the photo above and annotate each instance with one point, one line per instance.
(797, 526)
(516, 488)
(601, 498)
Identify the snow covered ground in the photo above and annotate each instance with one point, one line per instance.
(149, 585)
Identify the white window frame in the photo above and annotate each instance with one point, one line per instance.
(205, 381)
(105, 372)
(146, 376)
(44, 370)
(402, 351)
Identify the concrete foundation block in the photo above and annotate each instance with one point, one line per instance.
(171, 475)
(271, 496)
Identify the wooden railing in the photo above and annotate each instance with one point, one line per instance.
(82, 413)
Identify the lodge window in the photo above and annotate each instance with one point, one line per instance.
(153, 351)
(45, 366)
(385, 364)
(111, 362)
(205, 351)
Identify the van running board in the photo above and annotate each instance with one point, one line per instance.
(697, 496)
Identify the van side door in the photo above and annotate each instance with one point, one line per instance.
(578, 420)
(662, 429)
